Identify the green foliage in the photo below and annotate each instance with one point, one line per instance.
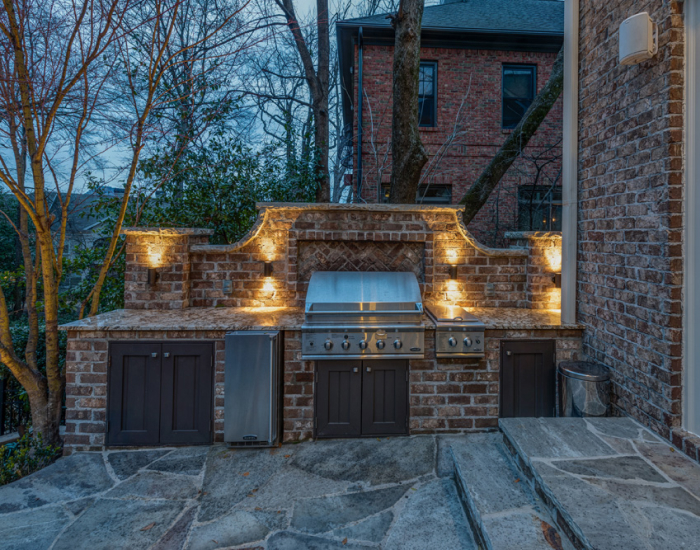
(8, 205)
(25, 457)
(217, 186)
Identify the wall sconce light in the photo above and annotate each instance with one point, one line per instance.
(267, 269)
(556, 279)
(153, 276)
(452, 270)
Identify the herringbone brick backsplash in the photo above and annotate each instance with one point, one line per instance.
(360, 256)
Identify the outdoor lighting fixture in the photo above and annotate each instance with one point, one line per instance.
(453, 272)
(556, 279)
(267, 269)
(152, 276)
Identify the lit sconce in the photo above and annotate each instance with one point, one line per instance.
(453, 272)
(267, 269)
(556, 279)
(153, 276)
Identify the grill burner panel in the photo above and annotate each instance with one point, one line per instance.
(458, 333)
(363, 315)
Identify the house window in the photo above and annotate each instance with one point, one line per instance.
(434, 194)
(519, 84)
(427, 95)
(426, 194)
(539, 208)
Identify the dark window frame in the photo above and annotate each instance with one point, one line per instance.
(533, 90)
(543, 200)
(434, 65)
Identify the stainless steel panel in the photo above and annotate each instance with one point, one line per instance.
(451, 314)
(251, 387)
(358, 342)
(343, 290)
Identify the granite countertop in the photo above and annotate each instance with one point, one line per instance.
(194, 318)
(286, 318)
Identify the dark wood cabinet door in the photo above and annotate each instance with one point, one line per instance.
(338, 398)
(133, 410)
(528, 378)
(384, 397)
(186, 393)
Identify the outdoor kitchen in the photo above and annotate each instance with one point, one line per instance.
(388, 320)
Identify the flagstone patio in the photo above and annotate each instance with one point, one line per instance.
(388, 493)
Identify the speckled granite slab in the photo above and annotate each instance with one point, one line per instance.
(194, 318)
(286, 318)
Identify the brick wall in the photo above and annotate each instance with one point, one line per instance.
(168, 251)
(630, 205)
(450, 395)
(425, 240)
(469, 94)
(445, 395)
(543, 261)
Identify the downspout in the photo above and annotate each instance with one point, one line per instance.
(570, 163)
(358, 196)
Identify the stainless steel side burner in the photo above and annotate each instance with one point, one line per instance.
(363, 315)
(458, 333)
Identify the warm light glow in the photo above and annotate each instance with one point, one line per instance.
(553, 257)
(268, 249)
(451, 255)
(554, 298)
(268, 285)
(155, 257)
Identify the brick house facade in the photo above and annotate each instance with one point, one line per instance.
(468, 125)
(630, 222)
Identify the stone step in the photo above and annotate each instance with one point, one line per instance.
(502, 510)
(609, 482)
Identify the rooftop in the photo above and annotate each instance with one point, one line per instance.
(521, 16)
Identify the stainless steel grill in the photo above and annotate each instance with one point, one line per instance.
(363, 315)
(458, 333)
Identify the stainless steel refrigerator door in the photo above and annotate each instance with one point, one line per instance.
(251, 387)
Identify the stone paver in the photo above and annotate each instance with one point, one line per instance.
(506, 513)
(624, 489)
(349, 494)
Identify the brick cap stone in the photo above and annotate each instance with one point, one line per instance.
(371, 207)
(266, 207)
(532, 234)
(166, 231)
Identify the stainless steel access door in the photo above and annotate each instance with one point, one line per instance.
(251, 388)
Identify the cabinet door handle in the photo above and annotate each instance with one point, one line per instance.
(355, 369)
(154, 354)
(508, 353)
(166, 354)
(369, 369)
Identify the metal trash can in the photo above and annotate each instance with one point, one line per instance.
(584, 389)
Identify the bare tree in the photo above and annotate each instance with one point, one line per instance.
(408, 155)
(67, 69)
(481, 189)
(317, 78)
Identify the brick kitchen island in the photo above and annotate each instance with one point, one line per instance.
(203, 291)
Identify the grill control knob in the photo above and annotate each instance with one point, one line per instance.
(363, 344)
(345, 344)
(398, 344)
(381, 344)
(328, 345)
(467, 341)
(452, 342)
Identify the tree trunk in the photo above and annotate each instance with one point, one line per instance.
(318, 84)
(321, 121)
(408, 155)
(479, 192)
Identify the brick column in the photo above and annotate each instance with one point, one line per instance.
(168, 251)
(543, 260)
